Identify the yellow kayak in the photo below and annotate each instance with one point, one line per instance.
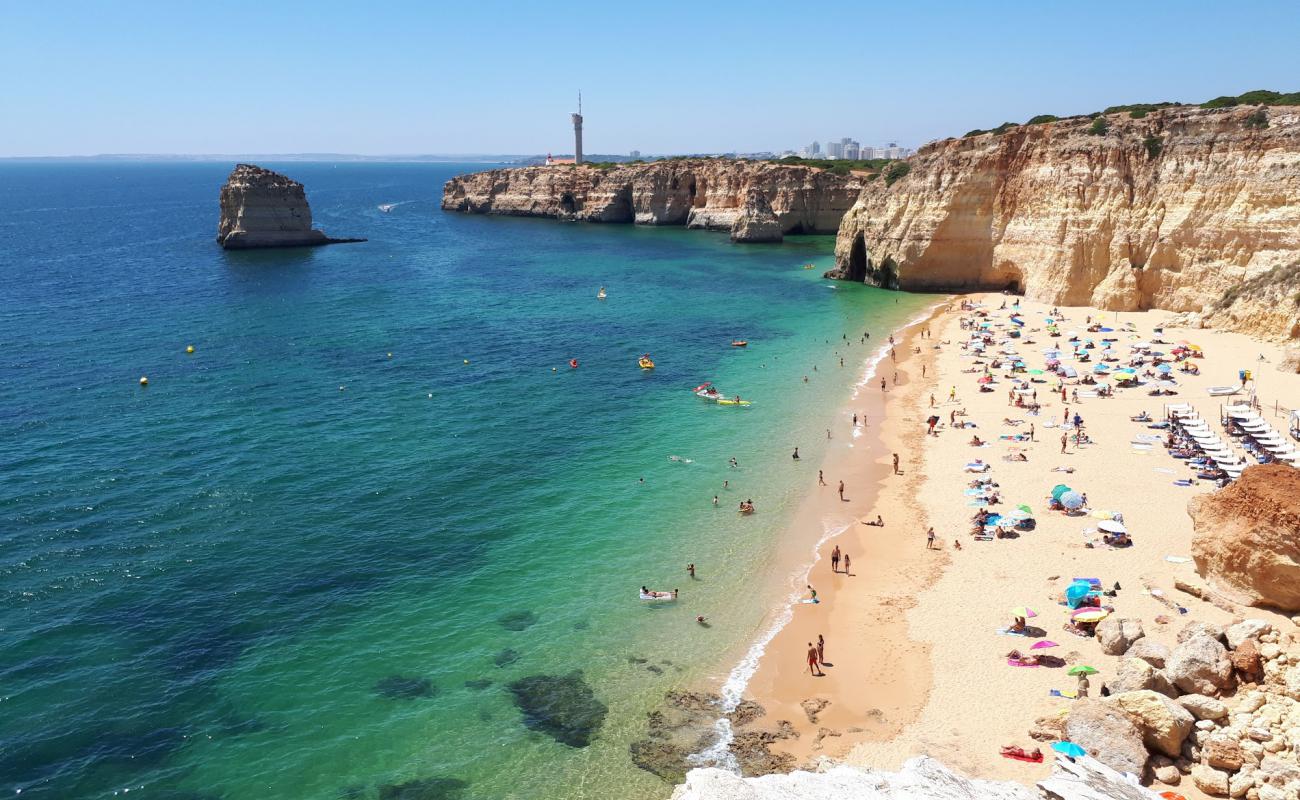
(733, 402)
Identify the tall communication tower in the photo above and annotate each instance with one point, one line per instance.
(577, 132)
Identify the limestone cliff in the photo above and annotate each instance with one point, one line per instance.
(1176, 210)
(261, 208)
(697, 193)
(756, 221)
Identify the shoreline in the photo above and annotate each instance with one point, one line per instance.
(864, 465)
(920, 670)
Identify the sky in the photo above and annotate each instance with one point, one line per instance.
(409, 77)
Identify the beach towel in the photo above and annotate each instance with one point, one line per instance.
(1177, 559)
(1026, 757)
(1183, 482)
(1068, 694)
(1011, 662)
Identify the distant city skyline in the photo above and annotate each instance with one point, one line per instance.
(144, 76)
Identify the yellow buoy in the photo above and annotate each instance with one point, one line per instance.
(144, 380)
(189, 348)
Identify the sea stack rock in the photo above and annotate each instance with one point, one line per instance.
(261, 208)
(756, 221)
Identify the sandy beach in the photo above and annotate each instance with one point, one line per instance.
(915, 660)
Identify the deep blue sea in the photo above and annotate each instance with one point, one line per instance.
(374, 538)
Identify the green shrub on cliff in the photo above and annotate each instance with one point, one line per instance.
(1258, 97)
(1099, 127)
(1041, 118)
(895, 171)
(1258, 120)
(1154, 145)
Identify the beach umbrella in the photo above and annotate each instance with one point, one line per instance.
(1111, 526)
(1072, 500)
(1082, 669)
(1023, 611)
(1069, 372)
(1077, 592)
(1058, 490)
(1101, 368)
(1164, 368)
(985, 379)
(1090, 615)
(1069, 749)
(1043, 644)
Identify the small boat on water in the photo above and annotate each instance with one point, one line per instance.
(386, 207)
(644, 362)
(573, 363)
(708, 392)
(809, 266)
(740, 343)
(601, 294)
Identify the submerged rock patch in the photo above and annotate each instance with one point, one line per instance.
(478, 684)
(424, 789)
(506, 657)
(561, 706)
(404, 687)
(517, 620)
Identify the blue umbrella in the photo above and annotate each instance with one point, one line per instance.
(1101, 368)
(1069, 749)
(1072, 500)
(1164, 368)
(1077, 592)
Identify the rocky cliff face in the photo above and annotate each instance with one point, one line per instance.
(697, 193)
(1169, 211)
(261, 208)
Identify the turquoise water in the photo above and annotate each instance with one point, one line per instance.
(272, 572)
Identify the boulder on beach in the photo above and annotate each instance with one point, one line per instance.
(1117, 635)
(1200, 665)
(1164, 723)
(1108, 733)
(1247, 536)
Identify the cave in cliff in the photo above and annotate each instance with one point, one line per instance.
(857, 266)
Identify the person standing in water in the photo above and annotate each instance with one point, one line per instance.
(796, 454)
(690, 570)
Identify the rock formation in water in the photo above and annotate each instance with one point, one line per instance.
(697, 193)
(756, 221)
(1174, 210)
(261, 208)
(1247, 536)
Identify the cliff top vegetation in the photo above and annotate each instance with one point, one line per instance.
(1257, 97)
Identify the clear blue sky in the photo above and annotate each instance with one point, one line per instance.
(130, 76)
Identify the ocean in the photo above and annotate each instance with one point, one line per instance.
(374, 537)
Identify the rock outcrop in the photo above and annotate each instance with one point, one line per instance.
(756, 221)
(261, 208)
(698, 193)
(1247, 536)
(920, 778)
(1185, 209)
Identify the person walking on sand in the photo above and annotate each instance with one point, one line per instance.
(847, 561)
(855, 420)
(812, 661)
(841, 490)
(931, 401)
(821, 478)
(821, 649)
(835, 559)
(882, 384)
(929, 539)
(895, 463)
(1031, 432)
(1064, 440)
(952, 394)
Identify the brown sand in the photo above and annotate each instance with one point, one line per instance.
(918, 665)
